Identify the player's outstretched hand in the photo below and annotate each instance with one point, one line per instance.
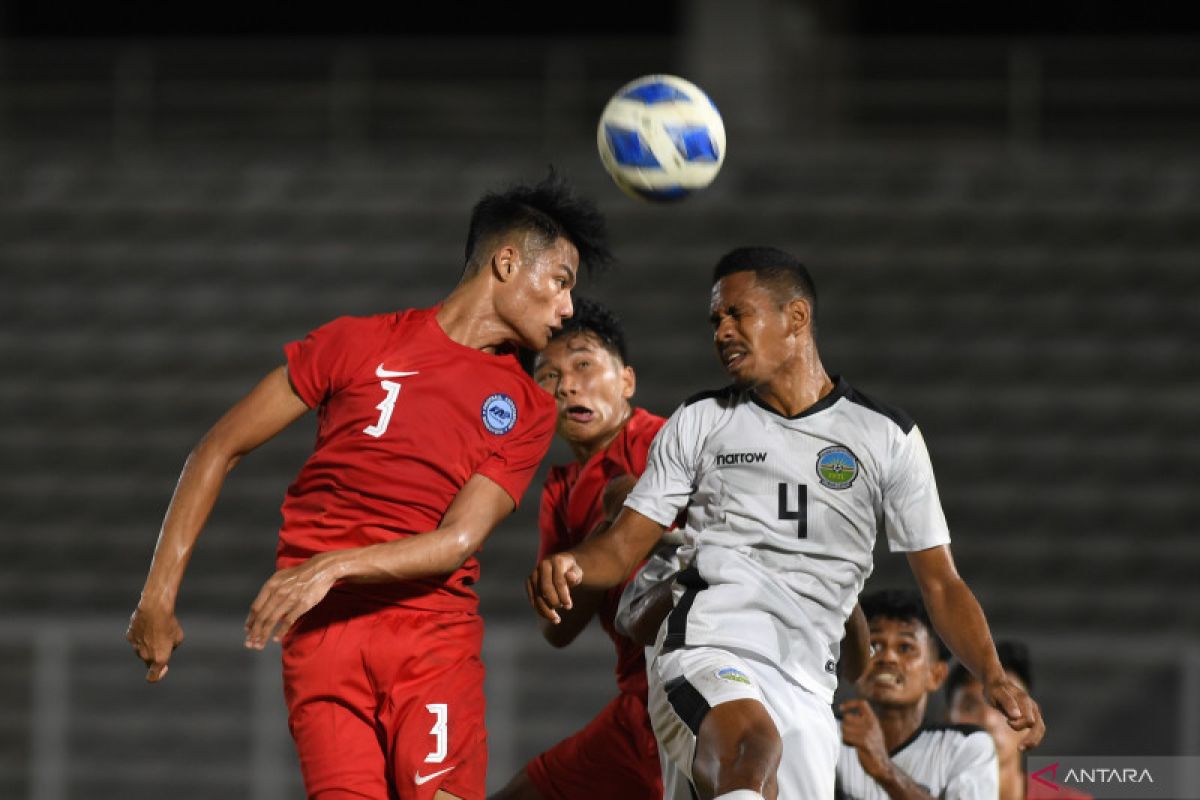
(1022, 711)
(285, 597)
(549, 587)
(154, 634)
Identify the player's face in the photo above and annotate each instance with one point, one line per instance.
(903, 666)
(539, 297)
(590, 384)
(968, 706)
(753, 334)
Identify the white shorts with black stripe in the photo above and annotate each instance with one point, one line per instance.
(687, 682)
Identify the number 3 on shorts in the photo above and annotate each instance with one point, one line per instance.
(439, 730)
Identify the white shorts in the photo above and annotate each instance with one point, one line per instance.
(686, 683)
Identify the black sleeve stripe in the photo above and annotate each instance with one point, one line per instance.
(712, 394)
(677, 621)
(903, 420)
(689, 705)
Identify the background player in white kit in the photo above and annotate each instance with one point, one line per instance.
(888, 751)
(786, 477)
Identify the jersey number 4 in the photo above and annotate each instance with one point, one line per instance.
(801, 512)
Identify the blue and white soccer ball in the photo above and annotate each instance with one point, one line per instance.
(661, 138)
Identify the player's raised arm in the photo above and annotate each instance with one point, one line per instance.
(601, 562)
(959, 620)
(270, 407)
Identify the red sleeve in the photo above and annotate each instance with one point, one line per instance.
(318, 365)
(513, 465)
(552, 516)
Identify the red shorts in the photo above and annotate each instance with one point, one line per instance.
(614, 756)
(383, 696)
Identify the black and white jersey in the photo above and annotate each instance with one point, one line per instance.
(952, 762)
(782, 514)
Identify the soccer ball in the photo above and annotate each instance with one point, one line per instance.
(661, 138)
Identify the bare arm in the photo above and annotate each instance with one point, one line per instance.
(572, 622)
(270, 407)
(856, 645)
(959, 620)
(648, 611)
(587, 601)
(601, 562)
(861, 730)
(289, 593)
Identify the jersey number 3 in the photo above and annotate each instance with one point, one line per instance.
(385, 409)
(801, 512)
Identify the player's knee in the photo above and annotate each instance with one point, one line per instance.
(737, 746)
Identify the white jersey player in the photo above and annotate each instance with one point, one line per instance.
(786, 477)
(954, 762)
(888, 753)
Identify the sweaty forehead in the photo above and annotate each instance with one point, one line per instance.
(564, 347)
(898, 627)
(740, 288)
(565, 253)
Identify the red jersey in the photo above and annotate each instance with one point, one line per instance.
(571, 508)
(406, 416)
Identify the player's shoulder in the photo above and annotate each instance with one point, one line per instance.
(723, 397)
(868, 403)
(354, 325)
(961, 738)
(952, 730)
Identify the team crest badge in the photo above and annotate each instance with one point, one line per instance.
(733, 674)
(837, 467)
(499, 413)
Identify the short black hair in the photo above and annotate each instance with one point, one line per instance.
(1014, 657)
(597, 319)
(903, 605)
(548, 209)
(782, 273)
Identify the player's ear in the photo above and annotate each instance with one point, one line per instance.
(937, 674)
(800, 314)
(505, 262)
(628, 382)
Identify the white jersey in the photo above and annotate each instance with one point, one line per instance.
(952, 762)
(782, 514)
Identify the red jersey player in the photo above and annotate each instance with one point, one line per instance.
(428, 434)
(584, 367)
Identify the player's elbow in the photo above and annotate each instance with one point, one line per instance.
(213, 452)
(460, 545)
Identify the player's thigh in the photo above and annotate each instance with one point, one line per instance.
(331, 705)
(809, 734)
(430, 674)
(614, 755)
(687, 686)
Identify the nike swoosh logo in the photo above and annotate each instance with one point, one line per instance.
(380, 372)
(421, 780)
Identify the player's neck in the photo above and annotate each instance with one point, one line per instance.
(899, 723)
(797, 389)
(469, 318)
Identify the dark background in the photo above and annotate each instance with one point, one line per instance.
(1001, 207)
